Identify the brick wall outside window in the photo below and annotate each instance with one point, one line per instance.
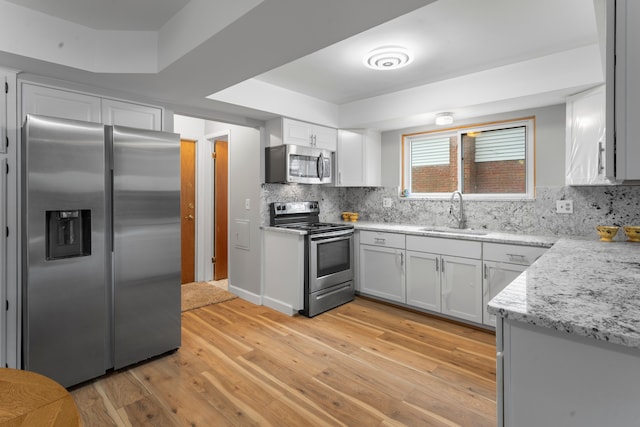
(506, 176)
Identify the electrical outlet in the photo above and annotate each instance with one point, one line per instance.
(247, 204)
(387, 202)
(564, 206)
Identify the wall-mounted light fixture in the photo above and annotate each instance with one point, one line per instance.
(443, 119)
(388, 58)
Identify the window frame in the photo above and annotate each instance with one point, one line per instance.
(529, 194)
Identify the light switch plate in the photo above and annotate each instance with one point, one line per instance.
(247, 204)
(387, 202)
(564, 206)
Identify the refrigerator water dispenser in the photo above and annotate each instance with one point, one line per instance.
(68, 234)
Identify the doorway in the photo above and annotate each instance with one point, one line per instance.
(221, 197)
(187, 209)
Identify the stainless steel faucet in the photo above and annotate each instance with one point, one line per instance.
(459, 218)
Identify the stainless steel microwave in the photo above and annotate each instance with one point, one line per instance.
(298, 164)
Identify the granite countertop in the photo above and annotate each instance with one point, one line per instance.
(487, 236)
(583, 287)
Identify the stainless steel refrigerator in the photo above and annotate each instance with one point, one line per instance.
(100, 247)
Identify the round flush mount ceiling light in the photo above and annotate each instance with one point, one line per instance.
(443, 119)
(388, 58)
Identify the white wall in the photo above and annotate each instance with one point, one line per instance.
(244, 224)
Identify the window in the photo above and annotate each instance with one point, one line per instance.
(490, 161)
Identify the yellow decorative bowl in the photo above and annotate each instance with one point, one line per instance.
(354, 216)
(632, 232)
(607, 232)
(345, 215)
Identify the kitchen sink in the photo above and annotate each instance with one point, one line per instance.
(451, 230)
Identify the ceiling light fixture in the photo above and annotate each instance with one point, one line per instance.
(443, 119)
(388, 58)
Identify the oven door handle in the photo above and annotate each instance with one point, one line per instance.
(331, 238)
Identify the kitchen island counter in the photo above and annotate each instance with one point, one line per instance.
(568, 338)
(583, 287)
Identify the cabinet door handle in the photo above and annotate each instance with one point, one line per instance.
(401, 258)
(485, 286)
(379, 240)
(442, 264)
(517, 257)
(600, 151)
(437, 265)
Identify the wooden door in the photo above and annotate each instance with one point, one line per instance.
(221, 222)
(188, 208)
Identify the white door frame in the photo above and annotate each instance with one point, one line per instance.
(205, 207)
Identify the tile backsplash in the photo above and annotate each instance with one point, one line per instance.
(612, 205)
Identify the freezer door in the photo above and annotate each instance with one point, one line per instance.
(64, 249)
(146, 223)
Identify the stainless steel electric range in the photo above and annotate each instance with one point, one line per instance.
(329, 255)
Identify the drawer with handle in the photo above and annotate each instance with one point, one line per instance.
(513, 254)
(377, 238)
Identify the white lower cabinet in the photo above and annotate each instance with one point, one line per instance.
(445, 276)
(423, 280)
(454, 277)
(382, 265)
(445, 284)
(551, 378)
(502, 264)
(462, 288)
(382, 272)
(497, 275)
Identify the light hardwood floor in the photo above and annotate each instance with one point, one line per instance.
(361, 364)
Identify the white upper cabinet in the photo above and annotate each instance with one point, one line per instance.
(47, 101)
(615, 107)
(627, 89)
(66, 104)
(294, 132)
(358, 158)
(324, 137)
(589, 153)
(131, 115)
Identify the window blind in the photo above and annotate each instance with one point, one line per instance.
(501, 144)
(430, 151)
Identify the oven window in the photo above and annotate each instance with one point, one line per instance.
(333, 257)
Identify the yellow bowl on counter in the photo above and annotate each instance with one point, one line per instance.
(607, 232)
(346, 215)
(632, 232)
(354, 216)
